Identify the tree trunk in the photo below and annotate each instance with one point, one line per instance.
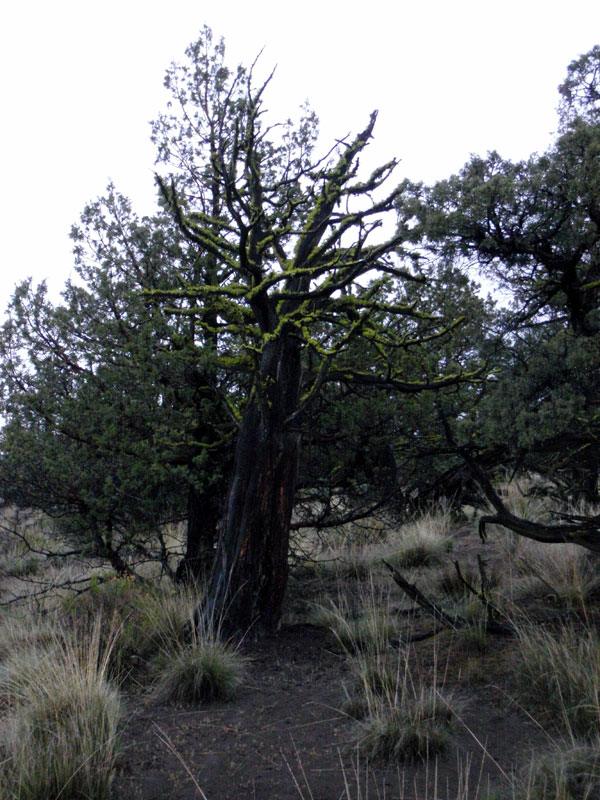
(204, 512)
(584, 477)
(250, 571)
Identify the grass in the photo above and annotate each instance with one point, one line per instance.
(202, 671)
(60, 732)
(566, 573)
(568, 771)
(61, 738)
(148, 618)
(402, 712)
(520, 498)
(366, 624)
(415, 730)
(558, 677)
(24, 629)
(353, 562)
(473, 636)
(409, 716)
(375, 677)
(425, 541)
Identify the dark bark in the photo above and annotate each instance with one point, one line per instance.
(456, 485)
(250, 571)
(203, 515)
(584, 477)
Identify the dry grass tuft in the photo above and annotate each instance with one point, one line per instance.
(570, 771)
(416, 729)
(566, 572)
(201, 671)
(365, 626)
(61, 739)
(425, 541)
(558, 677)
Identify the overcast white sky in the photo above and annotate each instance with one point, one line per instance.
(80, 81)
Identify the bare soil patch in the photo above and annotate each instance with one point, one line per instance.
(285, 736)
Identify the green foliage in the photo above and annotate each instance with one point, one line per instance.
(533, 228)
(107, 422)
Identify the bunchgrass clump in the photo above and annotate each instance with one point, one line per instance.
(557, 675)
(353, 562)
(570, 771)
(416, 729)
(523, 498)
(201, 671)
(375, 677)
(367, 626)
(147, 620)
(366, 633)
(406, 716)
(472, 637)
(22, 630)
(566, 572)
(61, 738)
(65, 745)
(423, 542)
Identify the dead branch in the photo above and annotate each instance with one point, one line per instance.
(424, 602)
(455, 622)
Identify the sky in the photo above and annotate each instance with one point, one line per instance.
(80, 82)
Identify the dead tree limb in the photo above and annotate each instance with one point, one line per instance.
(454, 622)
(424, 602)
(492, 612)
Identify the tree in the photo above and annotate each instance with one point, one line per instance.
(297, 270)
(580, 91)
(109, 410)
(534, 228)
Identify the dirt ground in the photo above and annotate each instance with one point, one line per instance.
(285, 735)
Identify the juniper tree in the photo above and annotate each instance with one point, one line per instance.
(106, 422)
(533, 227)
(298, 269)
